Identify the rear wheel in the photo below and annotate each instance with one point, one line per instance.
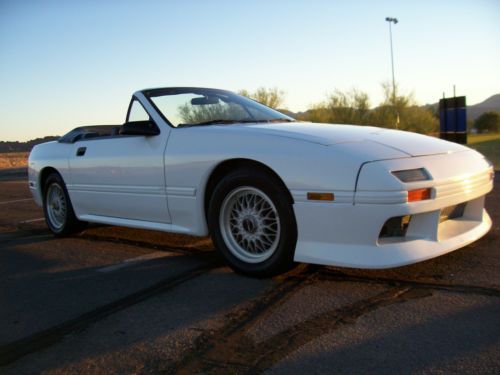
(252, 223)
(59, 214)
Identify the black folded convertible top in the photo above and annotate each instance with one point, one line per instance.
(87, 132)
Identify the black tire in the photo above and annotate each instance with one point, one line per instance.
(66, 223)
(281, 258)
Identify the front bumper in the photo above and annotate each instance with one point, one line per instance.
(348, 234)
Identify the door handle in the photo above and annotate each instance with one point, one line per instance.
(81, 151)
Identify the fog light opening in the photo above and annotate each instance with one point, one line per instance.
(452, 212)
(395, 227)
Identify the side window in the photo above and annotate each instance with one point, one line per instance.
(137, 112)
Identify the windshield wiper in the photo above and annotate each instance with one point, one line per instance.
(281, 120)
(211, 122)
(265, 121)
(229, 122)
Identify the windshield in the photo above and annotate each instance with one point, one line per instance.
(197, 106)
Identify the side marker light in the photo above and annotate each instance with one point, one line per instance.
(419, 195)
(320, 196)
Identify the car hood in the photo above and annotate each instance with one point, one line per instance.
(412, 144)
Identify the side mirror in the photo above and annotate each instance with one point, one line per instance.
(147, 128)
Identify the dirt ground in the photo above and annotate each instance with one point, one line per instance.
(13, 159)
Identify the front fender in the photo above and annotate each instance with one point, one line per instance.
(193, 153)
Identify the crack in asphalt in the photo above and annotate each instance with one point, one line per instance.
(230, 350)
(41, 340)
(240, 320)
(273, 350)
(325, 274)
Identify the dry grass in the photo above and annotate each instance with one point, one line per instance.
(13, 160)
(488, 145)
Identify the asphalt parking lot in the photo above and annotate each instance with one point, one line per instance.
(113, 300)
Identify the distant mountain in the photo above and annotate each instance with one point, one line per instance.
(476, 110)
(16, 146)
(490, 104)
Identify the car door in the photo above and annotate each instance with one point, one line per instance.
(121, 176)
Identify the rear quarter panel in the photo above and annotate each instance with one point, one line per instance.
(50, 154)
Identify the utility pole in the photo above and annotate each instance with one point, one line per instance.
(392, 20)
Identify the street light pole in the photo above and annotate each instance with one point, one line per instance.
(395, 21)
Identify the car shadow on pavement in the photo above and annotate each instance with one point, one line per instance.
(395, 340)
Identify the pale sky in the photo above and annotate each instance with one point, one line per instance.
(69, 63)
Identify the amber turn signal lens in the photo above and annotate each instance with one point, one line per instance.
(419, 195)
(320, 196)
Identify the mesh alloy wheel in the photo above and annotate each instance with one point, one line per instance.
(250, 224)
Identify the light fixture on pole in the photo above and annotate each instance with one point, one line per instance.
(392, 20)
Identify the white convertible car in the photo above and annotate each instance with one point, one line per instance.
(270, 191)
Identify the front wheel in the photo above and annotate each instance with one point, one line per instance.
(252, 223)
